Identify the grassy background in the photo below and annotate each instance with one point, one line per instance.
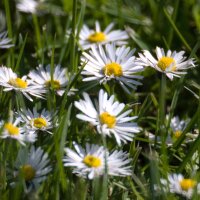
(41, 39)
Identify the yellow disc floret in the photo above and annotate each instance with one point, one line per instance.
(166, 62)
(92, 161)
(109, 120)
(39, 122)
(55, 84)
(12, 130)
(97, 37)
(187, 184)
(177, 134)
(28, 172)
(113, 69)
(18, 82)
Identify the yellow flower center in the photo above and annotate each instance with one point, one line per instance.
(39, 122)
(113, 69)
(12, 130)
(97, 37)
(177, 134)
(166, 62)
(186, 184)
(109, 120)
(92, 161)
(18, 82)
(54, 84)
(28, 172)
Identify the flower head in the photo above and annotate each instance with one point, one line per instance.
(33, 165)
(36, 121)
(12, 129)
(90, 162)
(89, 37)
(10, 81)
(105, 63)
(170, 63)
(27, 6)
(177, 128)
(58, 82)
(176, 183)
(5, 42)
(108, 117)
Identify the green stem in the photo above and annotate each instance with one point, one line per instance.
(73, 37)
(105, 177)
(161, 112)
(37, 32)
(8, 18)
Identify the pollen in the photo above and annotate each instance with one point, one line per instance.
(109, 120)
(18, 82)
(12, 130)
(28, 172)
(177, 134)
(55, 84)
(97, 37)
(187, 184)
(39, 122)
(166, 62)
(113, 69)
(92, 161)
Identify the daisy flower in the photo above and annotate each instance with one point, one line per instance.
(90, 162)
(171, 63)
(27, 6)
(89, 37)
(59, 81)
(33, 165)
(108, 117)
(10, 81)
(177, 128)
(5, 42)
(176, 183)
(105, 63)
(36, 121)
(13, 130)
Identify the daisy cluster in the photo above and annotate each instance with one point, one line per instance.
(106, 61)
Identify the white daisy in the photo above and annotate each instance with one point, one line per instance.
(59, 81)
(10, 81)
(107, 62)
(177, 128)
(27, 6)
(33, 165)
(90, 162)
(176, 183)
(170, 63)
(89, 37)
(108, 117)
(5, 42)
(13, 130)
(37, 121)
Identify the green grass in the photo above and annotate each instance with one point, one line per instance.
(43, 39)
